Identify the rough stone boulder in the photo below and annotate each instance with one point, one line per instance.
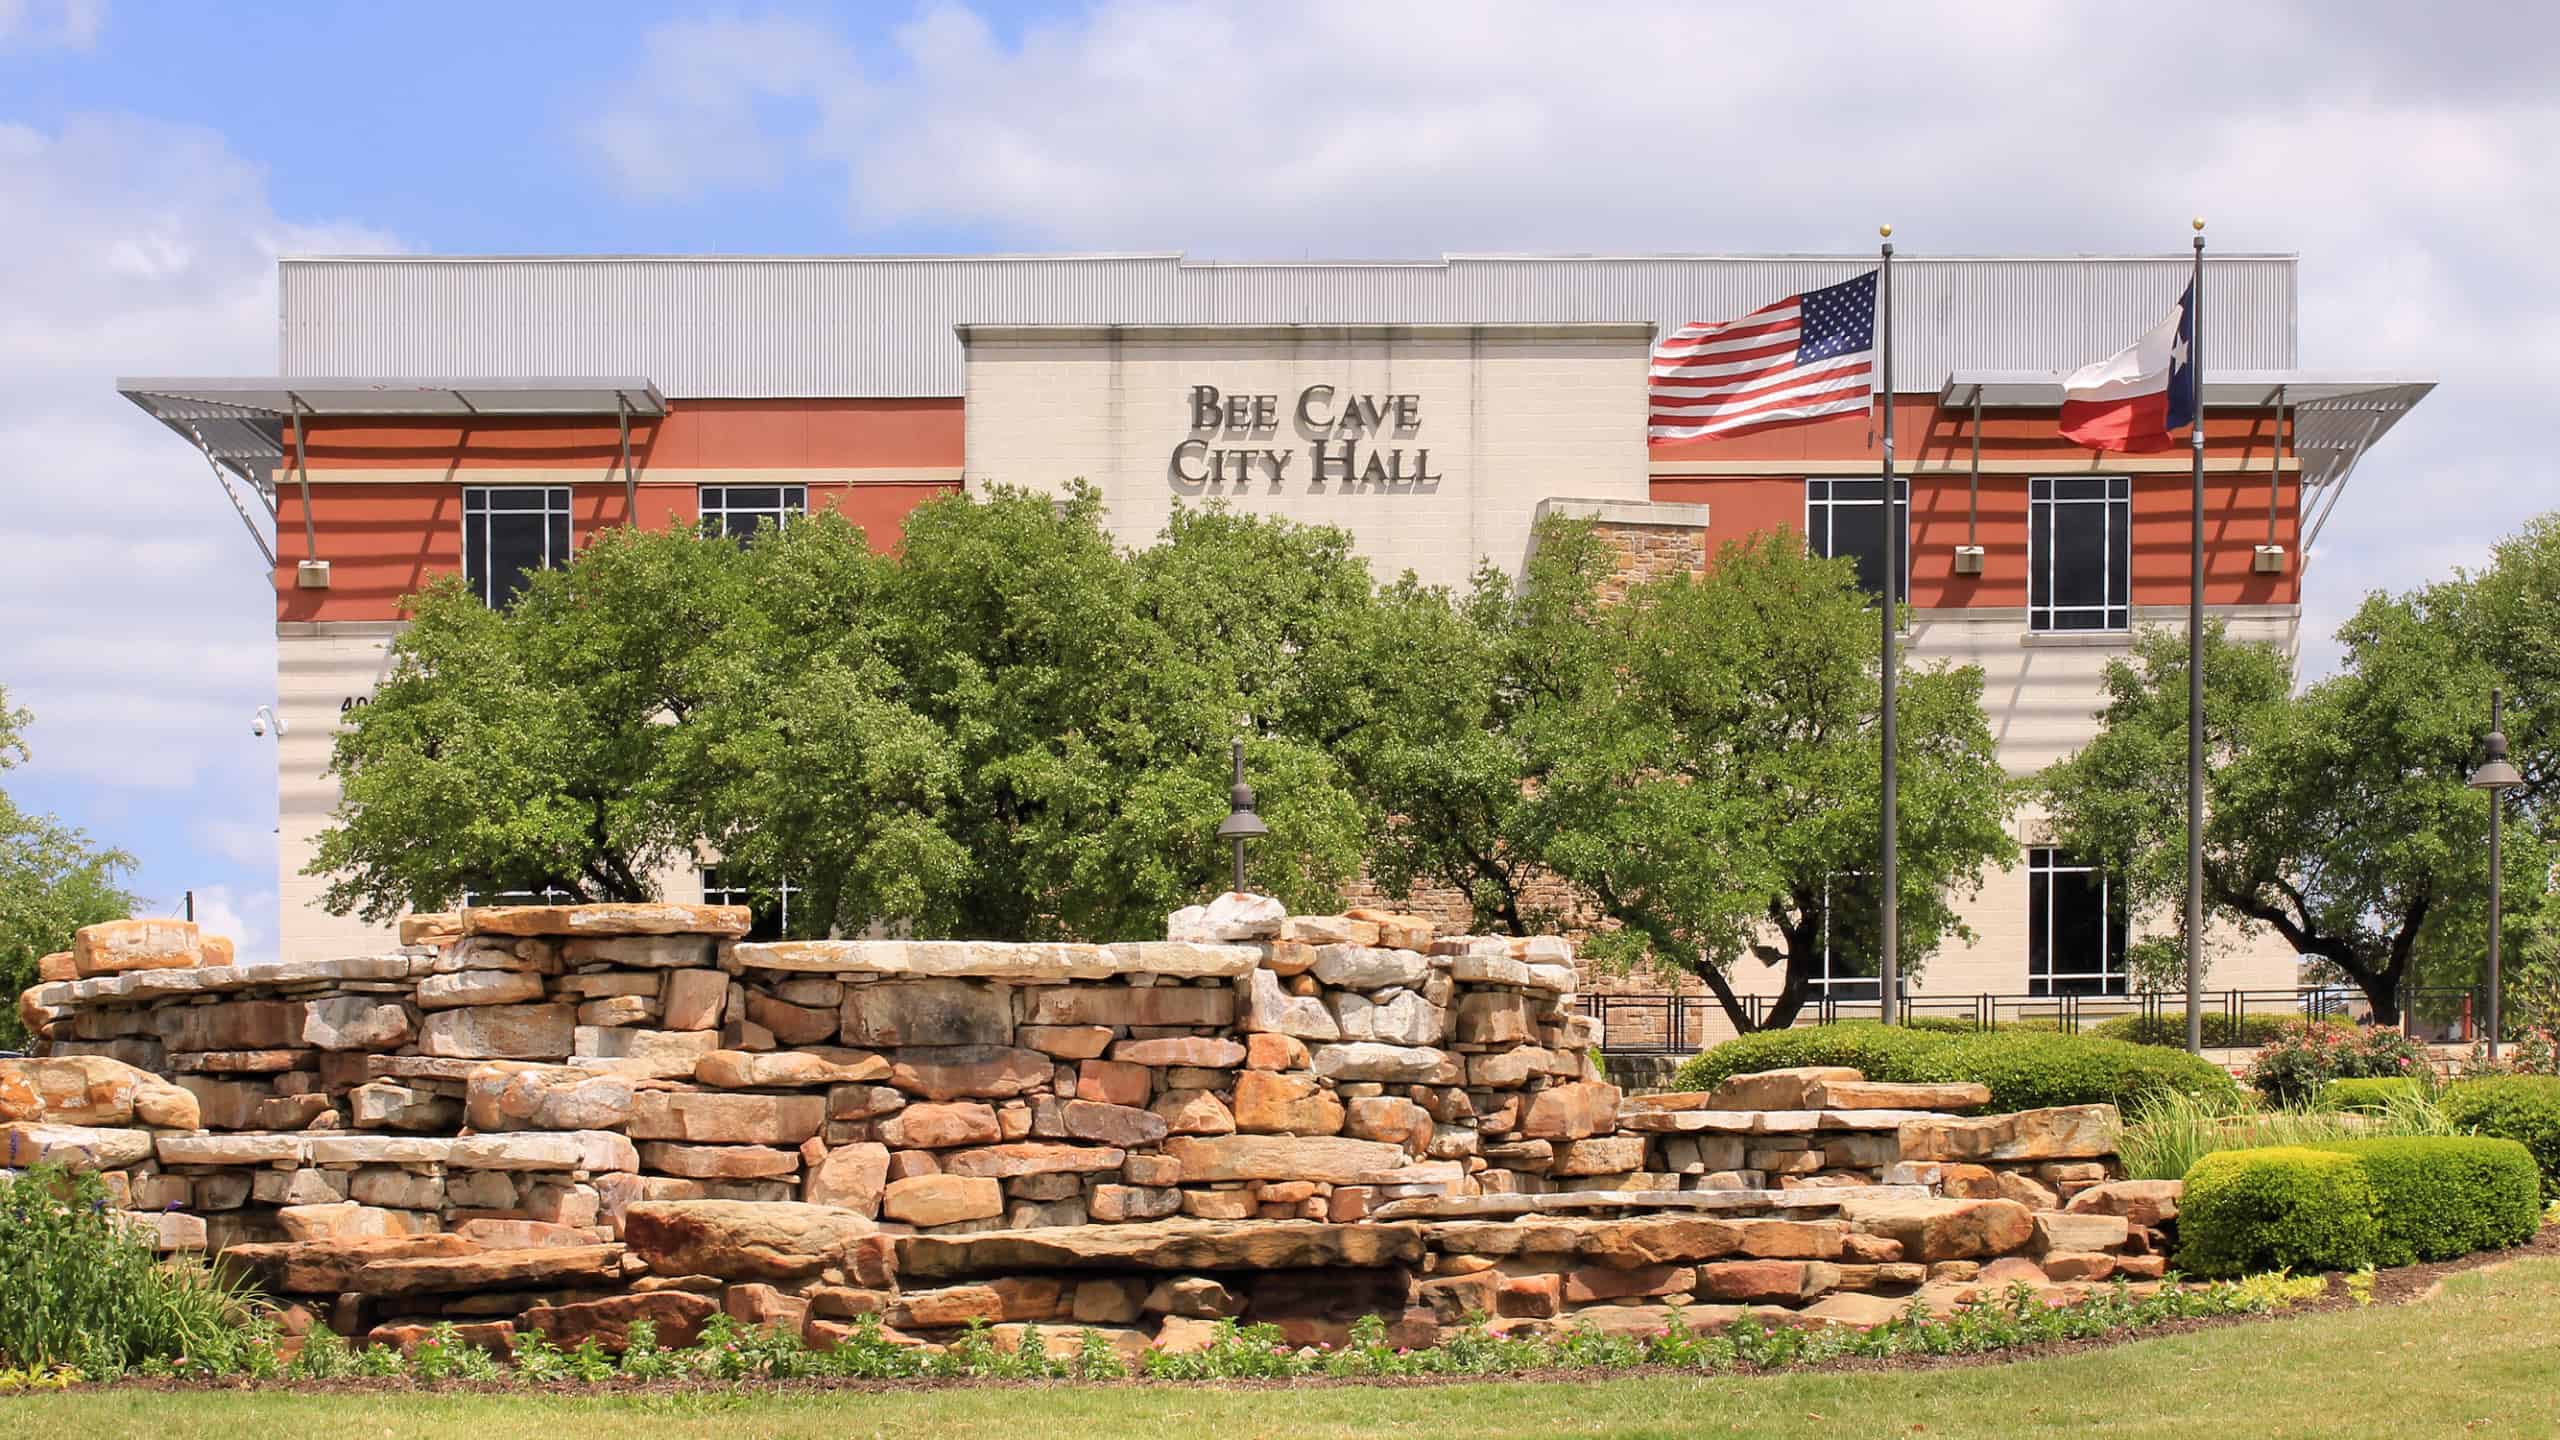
(678, 1315)
(742, 1240)
(491, 1270)
(506, 1095)
(2071, 1132)
(1179, 1245)
(92, 1090)
(114, 947)
(789, 1069)
(2144, 1202)
(1938, 1229)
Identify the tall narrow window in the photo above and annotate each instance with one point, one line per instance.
(737, 510)
(1846, 517)
(2075, 927)
(1849, 941)
(2079, 552)
(508, 532)
(770, 906)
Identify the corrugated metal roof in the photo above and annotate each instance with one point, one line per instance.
(748, 327)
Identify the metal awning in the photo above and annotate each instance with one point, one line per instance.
(238, 422)
(2335, 415)
(2338, 413)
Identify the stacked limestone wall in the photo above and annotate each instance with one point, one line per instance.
(568, 1117)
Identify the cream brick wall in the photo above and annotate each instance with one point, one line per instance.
(1511, 415)
(319, 669)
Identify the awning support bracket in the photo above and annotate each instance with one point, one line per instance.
(302, 476)
(630, 482)
(231, 492)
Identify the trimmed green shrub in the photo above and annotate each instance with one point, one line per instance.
(2026, 1070)
(80, 1288)
(2522, 1108)
(2281, 1208)
(2370, 1093)
(2445, 1196)
(2221, 1032)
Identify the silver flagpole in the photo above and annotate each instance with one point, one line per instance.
(2195, 665)
(1889, 966)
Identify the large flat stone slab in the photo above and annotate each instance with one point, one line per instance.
(330, 1267)
(1810, 1200)
(1162, 1245)
(1326, 1158)
(622, 919)
(491, 1270)
(2071, 1132)
(26, 1143)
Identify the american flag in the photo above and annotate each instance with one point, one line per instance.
(1810, 354)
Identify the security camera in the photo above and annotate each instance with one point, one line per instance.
(258, 724)
(259, 720)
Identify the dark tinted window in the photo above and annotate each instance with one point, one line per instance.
(1846, 518)
(510, 532)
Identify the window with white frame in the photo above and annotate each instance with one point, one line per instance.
(510, 531)
(1849, 967)
(2075, 927)
(1846, 518)
(547, 895)
(737, 510)
(2079, 552)
(770, 905)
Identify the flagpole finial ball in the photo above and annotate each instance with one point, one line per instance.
(2199, 222)
(1885, 231)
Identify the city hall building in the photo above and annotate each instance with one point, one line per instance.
(488, 416)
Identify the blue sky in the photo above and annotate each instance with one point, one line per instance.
(156, 158)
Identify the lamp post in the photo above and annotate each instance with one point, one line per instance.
(2497, 775)
(1241, 823)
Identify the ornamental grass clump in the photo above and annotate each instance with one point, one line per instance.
(2164, 1135)
(80, 1288)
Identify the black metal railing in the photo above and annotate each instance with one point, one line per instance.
(1668, 1023)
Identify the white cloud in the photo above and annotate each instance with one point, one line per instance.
(51, 24)
(140, 622)
(249, 920)
(697, 110)
(2405, 163)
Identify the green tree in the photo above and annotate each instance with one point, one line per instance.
(1460, 716)
(1712, 772)
(53, 880)
(1012, 729)
(541, 746)
(2337, 817)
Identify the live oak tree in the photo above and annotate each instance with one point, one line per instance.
(53, 880)
(1460, 720)
(1714, 769)
(539, 747)
(2339, 817)
(1010, 729)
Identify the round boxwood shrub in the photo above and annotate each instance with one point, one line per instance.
(2522, 1108)
(2373, 1093)
(2441, 1196)
(2221, 1032)
(2284, 1207)
(2025, 1070)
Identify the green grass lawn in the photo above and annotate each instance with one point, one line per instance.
(2481, 1358)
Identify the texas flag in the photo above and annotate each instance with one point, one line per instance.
(2132, 399)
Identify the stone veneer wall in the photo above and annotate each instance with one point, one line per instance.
(565, 1118)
